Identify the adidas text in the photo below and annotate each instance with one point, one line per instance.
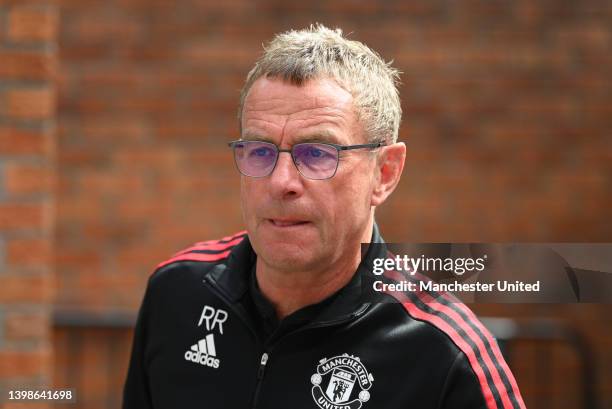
(202, 358)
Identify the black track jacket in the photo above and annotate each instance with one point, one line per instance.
(198, 344)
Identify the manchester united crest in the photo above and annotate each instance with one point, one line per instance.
(341, 382)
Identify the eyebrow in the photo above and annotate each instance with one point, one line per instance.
(323, 136)
(255, 137)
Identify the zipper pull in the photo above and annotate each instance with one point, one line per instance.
(262, 365)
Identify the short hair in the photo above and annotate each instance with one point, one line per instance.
(319, 52)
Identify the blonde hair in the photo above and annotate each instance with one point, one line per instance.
(319, 52)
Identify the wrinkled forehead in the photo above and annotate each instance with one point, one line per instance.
(322, 90)
(275, 108)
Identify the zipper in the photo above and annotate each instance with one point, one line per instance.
(265, 356)
(262, 365)
(210, 283)
(260, 374)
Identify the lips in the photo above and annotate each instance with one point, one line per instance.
(287, 223)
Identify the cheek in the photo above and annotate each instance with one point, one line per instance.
(360, 186)
(246, 198)
(350, 198)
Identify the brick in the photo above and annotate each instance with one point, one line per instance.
(141, 209)
(25, 363)
(171, 184)
(78, 209)
(77, 157)
(120, 77)
(15, 141)
(121, 232)
(35, 252)
(111, 183)
(26, 288)
(30, 103)
(21, 216)
(122, 130)
(84, 259)
(73, 53)
(147, 104)
(27, 65)
(142, 158)
(20, 326)
(92, 27)
(181, 131)
(20, 179)
(32, 23)
(143, 255)
(189, 80)
(221, 53)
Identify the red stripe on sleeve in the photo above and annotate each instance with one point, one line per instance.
(427, 299)
(438, 322)
(196, 257)
(499, 359)
(212, 245)
(494, 347)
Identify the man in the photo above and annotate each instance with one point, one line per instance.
(283, 315)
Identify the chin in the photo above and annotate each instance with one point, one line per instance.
(288, 257)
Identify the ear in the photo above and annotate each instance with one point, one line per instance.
(390, 165)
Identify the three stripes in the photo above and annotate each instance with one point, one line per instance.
(459, 323)
(213, 250)
(206, 346)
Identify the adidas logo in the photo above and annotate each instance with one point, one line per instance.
(204, 352)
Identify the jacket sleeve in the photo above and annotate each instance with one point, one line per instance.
(136, 393)
(461, 389)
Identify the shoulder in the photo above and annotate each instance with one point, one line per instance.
(443, 317)
(197, 259)
(439, 311)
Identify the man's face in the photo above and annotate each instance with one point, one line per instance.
(295, 223)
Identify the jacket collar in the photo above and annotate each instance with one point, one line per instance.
(233, 278)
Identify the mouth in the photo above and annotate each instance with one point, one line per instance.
(286, 223)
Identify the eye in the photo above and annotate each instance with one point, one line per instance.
(315, 152)
(261, 152)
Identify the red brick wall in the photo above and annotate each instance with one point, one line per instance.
(507, 119)
(28, 61)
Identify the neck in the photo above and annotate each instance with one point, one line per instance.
(290, 291)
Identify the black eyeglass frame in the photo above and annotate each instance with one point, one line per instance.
(373, 145)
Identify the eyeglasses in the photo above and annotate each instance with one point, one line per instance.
(313, 160)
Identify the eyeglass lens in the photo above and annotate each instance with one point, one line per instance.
(313, 160)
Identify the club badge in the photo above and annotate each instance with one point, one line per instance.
(341, 382)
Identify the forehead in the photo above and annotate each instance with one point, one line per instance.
(318, 109)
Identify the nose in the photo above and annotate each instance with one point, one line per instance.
(285, 180)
